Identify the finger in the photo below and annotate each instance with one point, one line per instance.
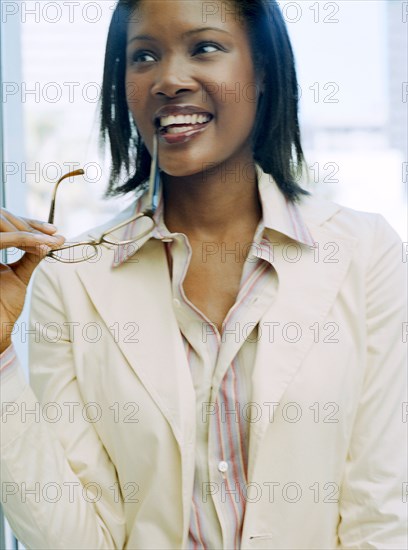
(23, 224)
(26, 265)
(6, 225)
(24, 240)
(45, 227)
(14, 254)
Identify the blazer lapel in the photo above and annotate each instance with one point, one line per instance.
(306, 292)
(140, 291)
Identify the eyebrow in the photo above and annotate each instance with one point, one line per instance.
(187, 33)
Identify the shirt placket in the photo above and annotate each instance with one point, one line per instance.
(219, 499)
(229, 425)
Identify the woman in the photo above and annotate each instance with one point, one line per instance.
(233, 378)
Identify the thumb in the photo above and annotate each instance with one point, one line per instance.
(24, 267)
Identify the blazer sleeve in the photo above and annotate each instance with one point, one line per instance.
(61, 486)
(373, 498)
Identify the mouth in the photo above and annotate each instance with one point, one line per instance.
(179, 128)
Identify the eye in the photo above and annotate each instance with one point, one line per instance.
(207, 47)
(142, 56)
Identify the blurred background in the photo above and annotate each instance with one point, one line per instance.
(352, 66)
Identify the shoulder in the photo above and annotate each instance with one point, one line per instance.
(378, 254)
(346, 222)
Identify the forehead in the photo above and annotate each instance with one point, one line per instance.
(219, 13)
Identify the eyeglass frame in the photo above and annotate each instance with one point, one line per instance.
(153, 193)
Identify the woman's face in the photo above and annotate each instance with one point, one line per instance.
(191, 59)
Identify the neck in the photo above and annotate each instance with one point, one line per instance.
(218, 203)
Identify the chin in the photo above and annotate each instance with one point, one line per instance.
(184, 169)
(186, 173)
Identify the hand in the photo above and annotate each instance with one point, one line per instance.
(36, 239)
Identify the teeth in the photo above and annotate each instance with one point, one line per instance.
(167, 120)
(183, 119)
(179, 129)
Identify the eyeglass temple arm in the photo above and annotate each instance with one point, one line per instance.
(79, 172)
(154, 177)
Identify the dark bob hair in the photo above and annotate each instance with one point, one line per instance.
(276, 135)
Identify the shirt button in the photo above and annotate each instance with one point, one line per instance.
(176, 302)
(223, 466)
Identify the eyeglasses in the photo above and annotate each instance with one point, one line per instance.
(140, 224)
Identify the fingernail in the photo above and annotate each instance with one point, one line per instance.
(50, 226)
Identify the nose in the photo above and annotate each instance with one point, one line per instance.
(173, 78)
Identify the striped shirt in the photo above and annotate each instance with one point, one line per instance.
(221, 367)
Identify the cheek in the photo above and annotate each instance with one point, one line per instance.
(236, 106)
(238, 91)
(135, 94)
(131, 98)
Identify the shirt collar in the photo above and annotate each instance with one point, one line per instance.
(278, 214)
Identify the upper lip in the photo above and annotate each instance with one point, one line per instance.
(174, 110)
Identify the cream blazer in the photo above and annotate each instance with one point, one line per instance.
(327, 464)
